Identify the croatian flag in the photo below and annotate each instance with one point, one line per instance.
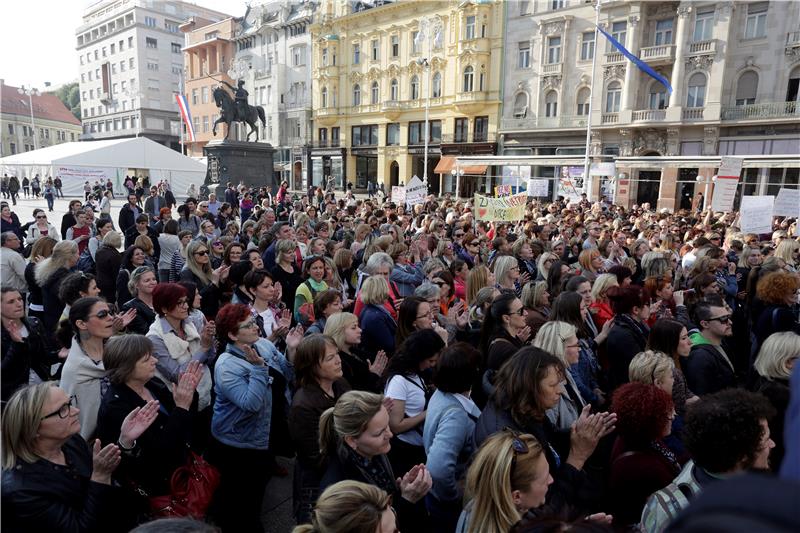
(186, 115)
(644, 67)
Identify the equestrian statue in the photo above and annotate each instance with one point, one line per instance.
(236, 109)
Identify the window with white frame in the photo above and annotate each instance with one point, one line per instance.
(374, 93)
(436, 85)
(583, 102)
(703, 25)
(524, 7)
(521, 105)
(613, 97)
(324, 57)
(657, 97)
(356, 54)
(696, 95)
(375, 49)
(663, 32)
(557, 4)
(587, 46)
(469, 79)
(414, 43)
(204, 95)
(756, 24)
(394, 90)
(414, 87)
(323, 97)
(619, 31)
(356, 94)
(553, 50)
(747, 88)
(469, 27)
(524, 55)
(298, 56)
(482, 79)
(551, 104)
(395, 44)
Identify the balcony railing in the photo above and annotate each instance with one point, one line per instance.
(649, 115)
(472, 96)
(703, 47)
(482, 137)
(552, 68)
(793, 38)
(532, 123)
(693, 113)
(761, 111)
(326, 143)
(518, 124)
(614, 57)
(662, 51)
(327, 111)
(609, 118)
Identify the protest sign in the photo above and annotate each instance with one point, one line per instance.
(416, 191)
(538, 187)
(570, 186)
(505, 209)
(502, 190)
(603, 169)
(398, 194)
(787, 203)
(755, 214)
(724, 193)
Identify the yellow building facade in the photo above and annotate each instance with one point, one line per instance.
(375, 70)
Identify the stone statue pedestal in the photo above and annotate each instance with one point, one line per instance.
(250, 163)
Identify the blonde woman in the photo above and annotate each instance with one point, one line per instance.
(362, 230)
(591, 264)
(352, 507)
(48, 274)
(198, 271)
(601, 306)
(543, 265)
(377, 324)
(478, 278)
(774, 364)
(536, 300)
(789, 251)
(508, 477)
(357, 368)
(506, 272)
(652, 367)
(561, 339)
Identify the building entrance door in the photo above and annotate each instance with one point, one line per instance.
(648, 185)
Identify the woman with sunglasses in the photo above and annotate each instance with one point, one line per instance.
(41, 228)
(504, 330)
(508, 477)
(53, 481)
(470, 253)
(209, 281)
(216, 249)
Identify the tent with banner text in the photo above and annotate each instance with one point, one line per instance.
(78, 162)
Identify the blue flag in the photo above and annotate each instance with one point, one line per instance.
(638, 62)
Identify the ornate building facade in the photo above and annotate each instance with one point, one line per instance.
(378, 66)
(734, 68)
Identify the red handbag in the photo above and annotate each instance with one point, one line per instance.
(192, 488)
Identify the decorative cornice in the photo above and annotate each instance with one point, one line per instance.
(683, 11)
(551, 82)
(611, 72)
(703, 62)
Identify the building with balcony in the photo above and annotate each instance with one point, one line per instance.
(273, 57)
(52, 122)
(734, 68)
(374, 76)
(208, 51)
(130, 55)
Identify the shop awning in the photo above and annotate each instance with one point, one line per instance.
(448, 162)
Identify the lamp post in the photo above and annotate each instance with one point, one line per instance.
(31, 93)
(430, 30)
(133, 92)
(707, 180)
(457, 173)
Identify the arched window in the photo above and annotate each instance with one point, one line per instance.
(583, 102)
(414, 87)
(374, 93)
(324, 97)
(613, 96)
(394, 90)
(469, 79)
(356, 94)
(696, 95)
(747, 88)
(521, 105)
(436, 85)
(657, 97)
(551, 104)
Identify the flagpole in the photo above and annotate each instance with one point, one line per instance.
(586, 178)
(180, 89)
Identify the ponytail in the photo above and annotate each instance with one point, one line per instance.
(328, 439)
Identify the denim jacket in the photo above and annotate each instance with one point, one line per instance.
(449, 443)
(243, 406)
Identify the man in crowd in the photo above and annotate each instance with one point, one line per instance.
(708, 368)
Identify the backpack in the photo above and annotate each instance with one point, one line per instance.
(305, 314)
(86, 262)
(664, 505)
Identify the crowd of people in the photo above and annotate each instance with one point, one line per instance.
(587, 368)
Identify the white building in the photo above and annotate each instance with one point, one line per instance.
(274, 58)
(734, 68)
(131, 63)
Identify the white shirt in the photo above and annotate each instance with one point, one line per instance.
(402, 388)
(12, 270)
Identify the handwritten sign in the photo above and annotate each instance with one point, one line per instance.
(398, 194)
(755, 214)
(538, 188)
(787, 203)
(502, 190)
(603, 169)
(724, 193)
(505, 209)
(416, 191)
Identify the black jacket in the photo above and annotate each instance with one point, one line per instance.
(107, 261)
(623, 343)
(210, 294)
(34, 352)
(126, 219)
(53, 306)
(67, 221)
(159, 450)
(132, 233)
(774, 319)
(144, 316)
(706, 370)
(42, 496)
(355, 369)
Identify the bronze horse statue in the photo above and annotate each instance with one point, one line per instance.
(228, 113)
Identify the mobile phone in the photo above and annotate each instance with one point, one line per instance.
(689, 291)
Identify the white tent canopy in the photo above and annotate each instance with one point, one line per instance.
(78, 162)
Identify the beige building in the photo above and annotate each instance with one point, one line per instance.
(208, 52)
(734, 68)
(373, 76)
(52, 122)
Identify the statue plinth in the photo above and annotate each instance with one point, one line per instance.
(250, 163)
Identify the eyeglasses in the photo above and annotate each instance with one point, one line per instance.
(204, 252)
(518, 447)
(721, 319)
(216, 243)
(64, 410)
(520, 312)
(41, 216)
(248, 324)
(426, 315)
(182, 302)
(102, 314)
(474, 243)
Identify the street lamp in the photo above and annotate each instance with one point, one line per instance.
(707, 180)
(457, 173)
(133, 92)
(430, 30)
(31, 93)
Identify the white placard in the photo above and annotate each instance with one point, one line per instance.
(398, 194)
(755, 214)
(786, 203)
(537, 187)
(724, 193)
(603, 169)
(416, 191)
(730, 166)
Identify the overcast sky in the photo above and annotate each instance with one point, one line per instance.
(38, 39)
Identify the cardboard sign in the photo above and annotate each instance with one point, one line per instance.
(416, 191)
(505, 209)
(398, 194)
(755, 214)
(603, 169)
(787, 203)
(502, 190)
(724, 193)
(538, 187)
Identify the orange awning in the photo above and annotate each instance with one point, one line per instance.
(448, 163)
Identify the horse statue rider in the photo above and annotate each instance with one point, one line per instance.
(240, 94)
(236, 109)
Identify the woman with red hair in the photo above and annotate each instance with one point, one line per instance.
(640, 461)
